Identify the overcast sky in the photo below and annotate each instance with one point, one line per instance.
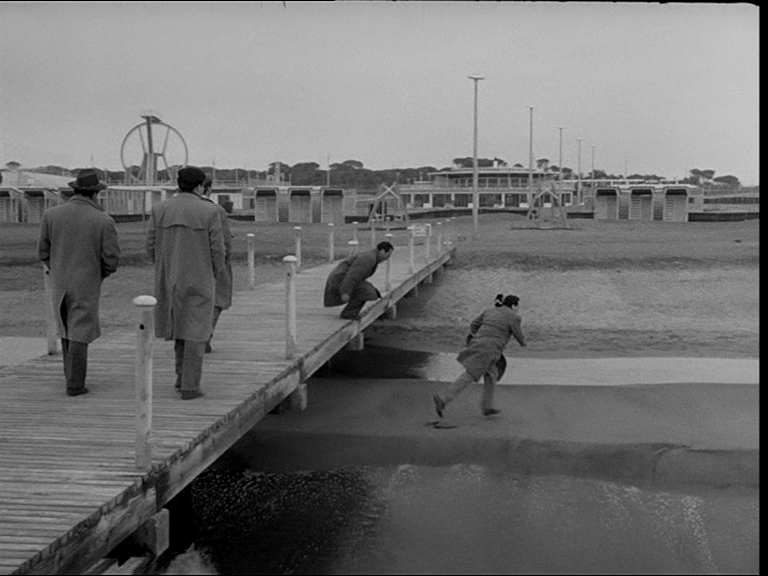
(655, 88)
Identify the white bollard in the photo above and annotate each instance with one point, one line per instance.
(411, 263)
(50, 320)
(439, 238)
(331, 255)
(290, 306)
(428, 240)
(297, 231)
(145, 333)
(373, 230)
(387, 284)
(353, 247)
(355, 223)
(251, 261)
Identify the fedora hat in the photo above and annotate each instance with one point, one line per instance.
(87, 181)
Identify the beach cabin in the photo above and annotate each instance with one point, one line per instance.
(265, 205)
(675, 204)
(299, 205)
(641, 203)
(331, 206)
(607, 203)
(11, 201)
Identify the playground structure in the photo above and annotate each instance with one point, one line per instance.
(140, 149)
(388, 207)
(547, 210)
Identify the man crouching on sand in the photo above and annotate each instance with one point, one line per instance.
(347, 282)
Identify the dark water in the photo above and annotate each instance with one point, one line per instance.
(459, 520)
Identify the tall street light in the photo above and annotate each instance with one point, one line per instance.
(578, 176)
(560, 162)
(593, 167)
(475, 193)
(530, 158)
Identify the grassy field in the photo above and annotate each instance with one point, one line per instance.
(603, 288)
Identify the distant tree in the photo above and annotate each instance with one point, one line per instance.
(728, 180)
(469, 162)
(500, 161)
(542, 163)
(518, 165)
(707, 175)
(356, 164)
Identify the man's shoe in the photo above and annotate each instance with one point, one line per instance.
(178, 383)
(191, 394)
(77, 391)
(439, 405)
(208, 348)
(491, 411)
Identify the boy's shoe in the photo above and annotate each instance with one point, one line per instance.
(491, 411)
(77, 391)
(191, 394)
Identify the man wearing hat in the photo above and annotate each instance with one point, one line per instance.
(79, 248)
(185, 241)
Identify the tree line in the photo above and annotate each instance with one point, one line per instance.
(353, 174)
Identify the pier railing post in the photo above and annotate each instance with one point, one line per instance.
(290, 306)
(297, 230)
(439, 238)
(428, 240)
(145, 333)
(355, 224)
(251, 261)
(353, 247)
(387, 283)
(411, 263)
(331, 255)
(50, 320)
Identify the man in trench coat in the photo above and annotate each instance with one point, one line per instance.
(347, 283)
(185, 241)
(78, 245)
(223, 299)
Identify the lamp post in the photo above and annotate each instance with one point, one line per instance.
(593, 168)
(530, 159)
(578, 176)
(475, 193)
(560, 162)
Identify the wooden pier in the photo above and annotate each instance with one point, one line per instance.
(70, 486)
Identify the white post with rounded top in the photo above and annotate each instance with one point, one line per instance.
(290, 306)
(331, 255)
(50, 319)
(387, 283)
(145, 333)
(297, 230)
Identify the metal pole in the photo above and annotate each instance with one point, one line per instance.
(150, 163)
(530, 158)
(411, 263)
(251, 261)
(578, 176)
(439, 238)
(475, 193)
(290, 306)
(560, 162)
(145, 334)
(593, 169)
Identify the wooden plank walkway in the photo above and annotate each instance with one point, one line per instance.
(69, 487)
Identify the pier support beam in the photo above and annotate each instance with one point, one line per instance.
(154, 534)
(356, 344)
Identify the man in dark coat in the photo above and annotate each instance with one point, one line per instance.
(78, 244)
(185, 242)
(347, 282)
(223, 299)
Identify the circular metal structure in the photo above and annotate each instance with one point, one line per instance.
(152, 152)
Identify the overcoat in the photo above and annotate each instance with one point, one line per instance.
(185, 242)
(491, 332)
(349, 276)
(223, 297)
(78, 242)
